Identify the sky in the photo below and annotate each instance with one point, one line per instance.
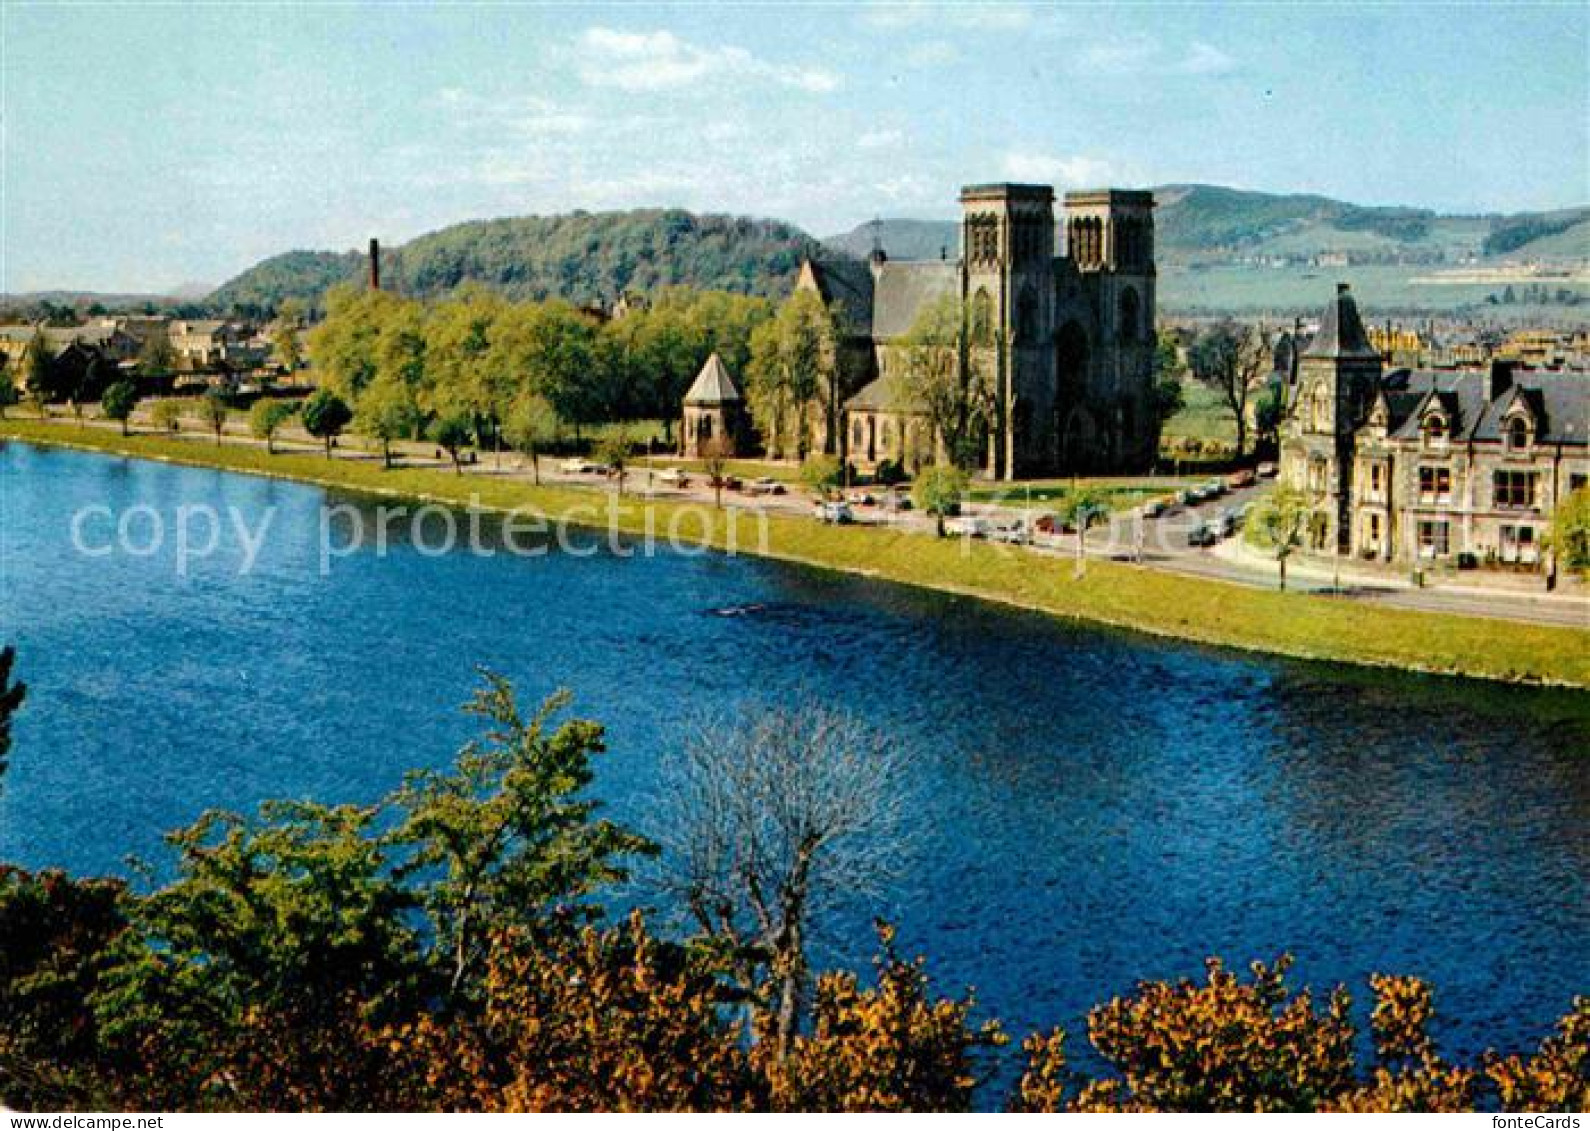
(148, 145)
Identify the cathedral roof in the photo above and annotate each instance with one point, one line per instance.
(1341, 332)
(882, 394)
(845, 286)
(713, 385)
(904, 290)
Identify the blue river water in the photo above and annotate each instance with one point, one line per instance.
(1090, 808)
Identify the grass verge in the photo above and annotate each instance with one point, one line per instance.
(1124, 596)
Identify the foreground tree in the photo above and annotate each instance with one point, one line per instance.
(266, 418)
(821, 475)
(1278, 524)
(213, 411)
(1232, 360)
(118, 403)
(385, 413)
(613, 451)
(531, 427)
(166, 414)
(324, 416)
(1082, 509)
(775, 818)
(451, 433)
(1570, 531)
(938, 491)
(715, 456)
(939, 376)
(9, 394)
(793, 377)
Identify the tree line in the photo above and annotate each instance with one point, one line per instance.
(447, 949)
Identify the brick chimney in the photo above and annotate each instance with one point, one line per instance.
(1501, 376)
(375, 264)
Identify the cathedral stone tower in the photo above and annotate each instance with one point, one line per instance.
(1007, 245)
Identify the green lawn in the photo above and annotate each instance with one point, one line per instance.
(1204, 417)
(1293, 624)
(1120, 493)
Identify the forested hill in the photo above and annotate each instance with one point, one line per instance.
(581, 256)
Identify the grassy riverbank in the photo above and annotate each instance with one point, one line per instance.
(1165, 604)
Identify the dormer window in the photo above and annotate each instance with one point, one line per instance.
(1517, 434)
(1435, 430)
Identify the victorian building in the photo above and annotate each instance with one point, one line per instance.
(1437, 466)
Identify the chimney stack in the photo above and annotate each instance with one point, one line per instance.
(1501, 376)
(375, 264)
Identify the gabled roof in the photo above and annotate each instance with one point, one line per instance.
(904, 290)
(1341, 333)
(845, 286)
(882, 394)
(713, 385)
(1558, 402)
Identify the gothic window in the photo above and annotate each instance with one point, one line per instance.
(1322, 408)
(982, 328)
(1434, 430)
(1517, 434)
(1127, 322)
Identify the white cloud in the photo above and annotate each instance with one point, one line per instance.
(1067, 172)
(660, 60)
(1140, 55)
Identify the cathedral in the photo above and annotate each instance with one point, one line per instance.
(1064, 338)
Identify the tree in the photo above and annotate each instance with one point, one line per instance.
(939, 377)
(451, 433)
(386, 412)
(213, 411)
(118, 403)
(266, 418)
(715, 454)
(325, 415)
(1169, 395)
(38, 374)
(1081, 509)
(777, 815)
(793, 368)
(156, 361)
(507, 837)
(531, 426)
(614, 452)
(166, 414)
(1278, 524)
(938, 491)
(1231, 360)
(1570, 531)
(821, 474)
(9, 394)
(284, 335)
(1268, 413)
(12, 693)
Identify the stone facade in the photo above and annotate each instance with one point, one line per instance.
(1066, 340)
(714, 413)
(1460, 468)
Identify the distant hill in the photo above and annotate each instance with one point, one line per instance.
(1207, 223)
(581, 256)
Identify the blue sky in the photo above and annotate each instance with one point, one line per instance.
(147, 145)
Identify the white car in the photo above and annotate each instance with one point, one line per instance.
(837, 513)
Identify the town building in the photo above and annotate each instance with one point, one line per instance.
(1417, 466)
(714, 414)
(1065, 340)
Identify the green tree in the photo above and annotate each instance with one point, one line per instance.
(939, 377)
(793, 375)
(451, 433)
(266, 418)
(1169, 395)
(938, 491)
(1083, 508)
(614, 452)
(285, 343)
(38, 372)
(1232, 360)
(213, 411)
(166, 414)
(118, 403)
(1570, 531)
(9, 393)
(821, 474)
(1278, 524)
(324, 416)
(532, 425)
(715, 455)
(157, 361)
(386, 412)
(508, 837)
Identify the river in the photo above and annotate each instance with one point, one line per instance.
(1091, 807)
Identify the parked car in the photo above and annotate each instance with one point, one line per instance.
(766, 485)
(837, 513)
(1015, 531)
(1267, 470)
(1202, 535)
(897, 501)
(1154, 508)
(1239, 479)
(861, 499)
(1185, 498)
(1214, 488)
(970, 527)
(1226, 525)
(673, 477)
